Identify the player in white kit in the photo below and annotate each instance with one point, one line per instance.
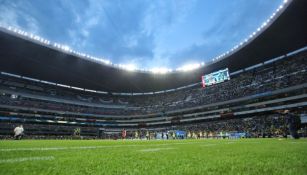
(18, 132)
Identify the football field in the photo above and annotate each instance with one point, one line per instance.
(81, 157)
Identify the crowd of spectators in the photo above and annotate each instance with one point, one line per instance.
(267, 78)
(20, 101)
(256, 126)
(285, 73)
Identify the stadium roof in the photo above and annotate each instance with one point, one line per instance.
(27, 58)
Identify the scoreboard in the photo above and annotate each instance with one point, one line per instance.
(215, 77)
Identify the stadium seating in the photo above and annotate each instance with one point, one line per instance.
(31, 102)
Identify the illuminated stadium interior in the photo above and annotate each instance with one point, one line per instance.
(248, 103)
(35, 76)
(141, 94)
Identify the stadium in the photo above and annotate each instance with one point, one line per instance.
(240, 113)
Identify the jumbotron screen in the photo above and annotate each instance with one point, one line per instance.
(215, 77)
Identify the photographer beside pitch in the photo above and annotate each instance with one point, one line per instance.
(18, 132)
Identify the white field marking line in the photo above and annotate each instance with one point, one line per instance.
(154, 149)
(88, 147)
(58, 148)
(23, 159)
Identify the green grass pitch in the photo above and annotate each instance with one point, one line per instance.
(81, 157)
